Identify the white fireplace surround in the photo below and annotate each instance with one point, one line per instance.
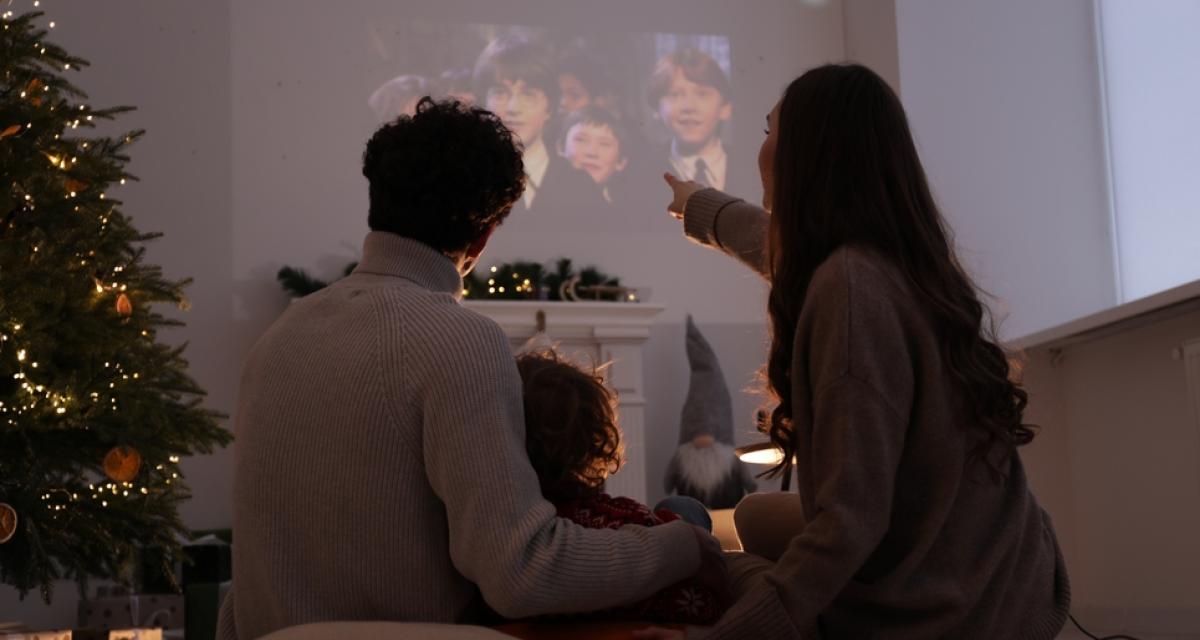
(594, 333)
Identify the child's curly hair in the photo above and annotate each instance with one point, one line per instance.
(571, 430)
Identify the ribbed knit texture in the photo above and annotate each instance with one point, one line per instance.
(381, 474)
(906, 537)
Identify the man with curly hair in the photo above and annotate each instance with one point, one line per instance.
(380, 468)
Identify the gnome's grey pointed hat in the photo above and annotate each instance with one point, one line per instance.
(708, 409)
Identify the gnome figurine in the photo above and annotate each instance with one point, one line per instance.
(705, 466)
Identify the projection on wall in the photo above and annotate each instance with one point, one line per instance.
(600, 117)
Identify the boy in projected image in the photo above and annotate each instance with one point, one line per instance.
(690, 94)
(515, 78)
(397, 97)
(456, 84)
(593, 141)
(582, 83)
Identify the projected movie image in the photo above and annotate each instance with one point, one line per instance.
(600, 118)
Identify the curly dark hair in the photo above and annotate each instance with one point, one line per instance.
(847, 172)
(571, 430)
(444, 176)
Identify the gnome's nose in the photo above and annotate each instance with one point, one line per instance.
(703, 441)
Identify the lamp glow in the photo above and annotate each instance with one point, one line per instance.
(760, 453)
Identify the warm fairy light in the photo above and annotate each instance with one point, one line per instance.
(21, 355)
(493, 269)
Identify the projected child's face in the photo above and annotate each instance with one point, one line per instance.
(523, 108)
(595, 149)
(692, 111)
(573, 95)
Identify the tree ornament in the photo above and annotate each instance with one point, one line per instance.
(34, 91)
(122, 463)
(10, 130)
(76, 185)
(8, 522)
(124, 306)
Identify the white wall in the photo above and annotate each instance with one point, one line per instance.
(256, 126)
(870, 27)
(1118, 467)
(1004, 101)
(1151, 53)
(299, 129)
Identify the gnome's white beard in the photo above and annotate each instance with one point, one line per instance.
(705, 468)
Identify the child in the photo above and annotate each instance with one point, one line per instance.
(515, 78)
(690, 94)
(574, 443)
(593, 141)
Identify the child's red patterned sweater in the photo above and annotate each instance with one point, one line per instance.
(685, 602)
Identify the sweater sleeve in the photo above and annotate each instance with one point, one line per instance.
(856, 448)
(503, 535)
(738, 228)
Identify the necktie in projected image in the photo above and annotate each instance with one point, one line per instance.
(701, 175)
(531, 190)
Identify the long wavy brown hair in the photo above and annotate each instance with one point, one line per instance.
(847, 172)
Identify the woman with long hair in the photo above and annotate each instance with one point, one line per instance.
(892, 396)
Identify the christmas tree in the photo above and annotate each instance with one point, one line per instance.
(95, 412)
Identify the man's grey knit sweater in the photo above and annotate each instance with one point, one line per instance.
(380, 469)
